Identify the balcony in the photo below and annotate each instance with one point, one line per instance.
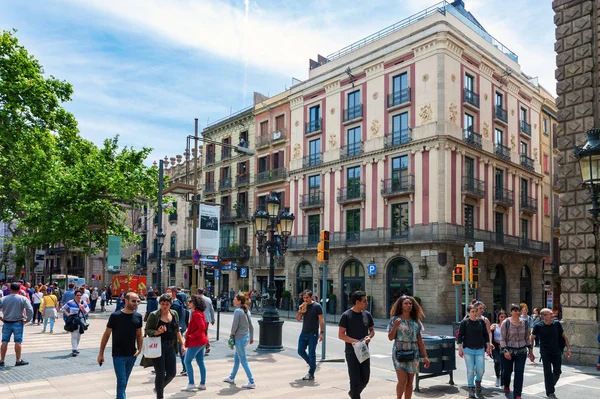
(173, 217)
(271, 176)
(526, 128)
(186, 253)
(312, 160)
(397, 186)
(472, 138)
(226, 216)
(398, 138)
(313, 126)
(225, 183)
(242, 180)
(528, 205)
(234, 251)
(355, 192)
(500, 115)
(262, 141)
(471, 99)
(398, 98)
(312, 200)
(502, 151)
(210, 158)
(353, 113)
(152, 256)
(240, 213)
(278, 136)
(209, 188)
(351, 150)
(503, 197)
(472, 187)
(225, 154)
(527, 162)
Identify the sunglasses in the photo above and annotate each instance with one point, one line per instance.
(135, 300)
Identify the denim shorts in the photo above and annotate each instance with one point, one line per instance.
(9, 329)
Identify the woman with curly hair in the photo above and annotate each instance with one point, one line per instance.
(405, 329)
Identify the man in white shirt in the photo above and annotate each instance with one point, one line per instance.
(209, 314)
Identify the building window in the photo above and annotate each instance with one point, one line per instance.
(469, 221)
(280, 122)
(353, 181)
(400, 220)
(262, 203)
(400, 172)
(546, 206)
(469, 83)
(499, 180)
(353, 225)
(524, 189)
(262, 164)
(243, 236)
(524, 148)
(499, 100)
(315, 113)
(399, 83)
(314, 184)
(353, 105)
(468, 121)
(354, 141)
(314, 152)
(264, 128)
(499, 137)
(525, 229)
(314, 227)
(469, 169)
(545, 126)
(523, 115)
(400, 128)
(546, 164)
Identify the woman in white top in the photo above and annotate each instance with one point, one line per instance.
(78, 307)
(497, 354)
(36, 298)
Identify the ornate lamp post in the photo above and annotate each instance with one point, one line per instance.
(589, 163)
(268, 222)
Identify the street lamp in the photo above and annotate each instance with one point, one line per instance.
(160, 238)
(272, 220)
(589, 165)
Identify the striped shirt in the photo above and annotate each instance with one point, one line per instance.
(72, 308)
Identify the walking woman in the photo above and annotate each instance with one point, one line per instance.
(497, 354)
(473, 344)
(164, 323)
(243, 332)
(49, 309)
(405, 329)
(36, 300)
(78, 307)
(515, 345)
(195, 342)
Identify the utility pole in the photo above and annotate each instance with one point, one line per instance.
(160, 235)
(195, 268)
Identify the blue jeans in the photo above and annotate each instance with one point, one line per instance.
(239, 356)
(15, 329)
(310, 340)
(518, 362)
(195, 352)
(475, 362)
(51, 323)
(123, 366)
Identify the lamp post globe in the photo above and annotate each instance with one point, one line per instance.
(589, 165)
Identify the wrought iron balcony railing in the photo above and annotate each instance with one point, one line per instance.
(500, 114)
(264, 140)
(397, 185)
(234, 251)
(210, 158)
(278, 136)
(528, 204)
(503, 196)
(225, 184)
(226, 153)
(186, 253)
(173, 217)
(526, 128)
(353, 193)
(471, 98)
(474, 187)
(472, 138)
(209, 187)
(311, 160)
(242, 180)
(270, 176)
(397, 138)
(312, 200)
(353, 113)
(313, 126)
(398, 97)
(502, 151)
(527, 162)
(351, 150)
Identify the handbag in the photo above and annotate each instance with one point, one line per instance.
(152, 347)
(71, 323)
(146, 362)
(405, 356)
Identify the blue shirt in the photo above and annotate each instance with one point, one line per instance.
(67, 296)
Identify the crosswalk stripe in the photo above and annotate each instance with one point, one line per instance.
(540, 387)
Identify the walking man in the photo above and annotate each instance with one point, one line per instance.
(550, 332)
(125, 325)
(311, 315)
(231, 296)
(209, 315)
(356, 324)
(68, 295)
(13, 307)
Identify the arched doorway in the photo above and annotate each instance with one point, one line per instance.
(525, 287)
(304, 277)
(499, 289)
(353, 279)
(399, 280)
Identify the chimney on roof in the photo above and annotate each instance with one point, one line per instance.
(321, 59)
(312, 64)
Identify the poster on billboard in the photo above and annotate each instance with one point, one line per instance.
(113, 261)
(208, 232)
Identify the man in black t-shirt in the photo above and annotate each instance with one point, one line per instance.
(356, 324)
(549, 333)
(311, 314)
(126, 326)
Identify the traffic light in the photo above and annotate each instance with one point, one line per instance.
(323, 247)
(458, 274)
(474, 270)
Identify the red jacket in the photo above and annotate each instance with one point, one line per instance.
(195, 334)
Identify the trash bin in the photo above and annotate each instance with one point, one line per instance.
(448, 353)
(433, 346)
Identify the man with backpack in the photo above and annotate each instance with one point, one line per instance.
(552, 340)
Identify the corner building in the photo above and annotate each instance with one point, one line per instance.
(409, 144)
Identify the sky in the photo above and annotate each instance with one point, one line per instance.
(144, 69)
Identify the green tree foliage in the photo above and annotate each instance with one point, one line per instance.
(54, 183)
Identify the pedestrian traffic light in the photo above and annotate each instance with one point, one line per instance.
(474, 270)
(458, 274)
(323, 247)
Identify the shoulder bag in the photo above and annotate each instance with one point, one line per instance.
(406, 356)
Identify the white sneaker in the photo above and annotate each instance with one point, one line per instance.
(229, 380)
(189, 387)
(201, 387)
(497, 382)
(249, 385)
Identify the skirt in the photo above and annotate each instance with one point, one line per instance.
(49, 312)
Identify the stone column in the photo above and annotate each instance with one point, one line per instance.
(577, 47)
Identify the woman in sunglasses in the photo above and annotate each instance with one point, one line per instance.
(516, 347)
(405, 329)
(80, 309)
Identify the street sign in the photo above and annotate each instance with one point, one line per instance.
(243, 272)
(196, 257)
(217, 274)
(372, 268)
(547, 287)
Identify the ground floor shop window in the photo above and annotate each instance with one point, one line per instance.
(353, 279)
(304, 277)
(399, 280)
